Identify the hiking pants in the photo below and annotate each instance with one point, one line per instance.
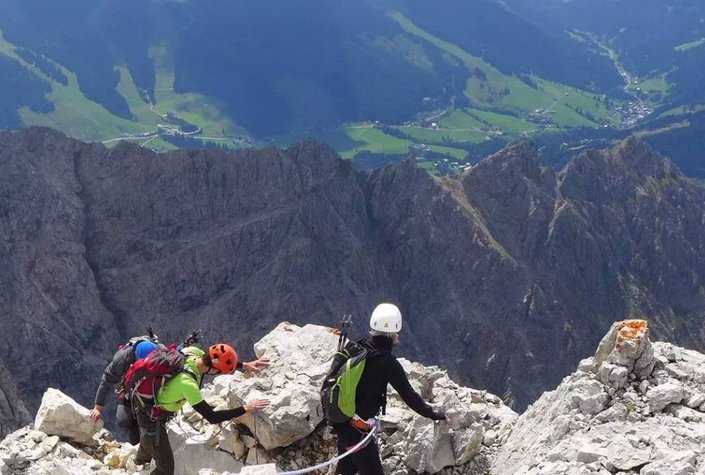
(126, 419)
(363, 462)
(154, 445)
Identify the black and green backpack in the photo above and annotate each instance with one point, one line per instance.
(340, 386)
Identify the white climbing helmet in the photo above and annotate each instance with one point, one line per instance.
(386, 318)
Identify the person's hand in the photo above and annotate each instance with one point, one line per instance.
(96, 412)
(255, 366)
(256, 404)
(439, 416)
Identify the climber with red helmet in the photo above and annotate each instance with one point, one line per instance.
(184, 386)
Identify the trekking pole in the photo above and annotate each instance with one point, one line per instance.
(192, 339)
(150, 332)
(345, 324)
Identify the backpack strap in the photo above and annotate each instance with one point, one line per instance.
(193, 375)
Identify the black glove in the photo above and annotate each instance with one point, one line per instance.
(438, 416)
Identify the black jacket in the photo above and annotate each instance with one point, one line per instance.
(382, 368)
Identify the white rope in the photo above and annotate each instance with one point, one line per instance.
(323, 465)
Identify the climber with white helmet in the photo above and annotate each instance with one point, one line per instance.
(379, 369)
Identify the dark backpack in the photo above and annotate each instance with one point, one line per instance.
(340, 386)
(146, 377)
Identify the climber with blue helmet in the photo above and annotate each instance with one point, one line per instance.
(136, 349)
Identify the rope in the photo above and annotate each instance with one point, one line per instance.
(337, 459)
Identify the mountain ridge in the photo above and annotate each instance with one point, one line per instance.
(508, 255)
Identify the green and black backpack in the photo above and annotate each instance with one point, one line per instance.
(340, 386)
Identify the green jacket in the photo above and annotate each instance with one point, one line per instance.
(183, 388)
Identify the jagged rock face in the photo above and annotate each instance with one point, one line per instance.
(651, 421)
(13, 414)
(507, 275)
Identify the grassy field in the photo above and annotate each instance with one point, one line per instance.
(203, 111)
(657, 85)
(684, 110)
(440, 135)
(87, 120)
(350, 140)
(503, 106)
(80, 117)
(488, 88)
(74, 114)
(505, 123)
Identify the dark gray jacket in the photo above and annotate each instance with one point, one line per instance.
(116, 369)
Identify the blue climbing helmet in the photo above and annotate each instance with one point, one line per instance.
(144, 348)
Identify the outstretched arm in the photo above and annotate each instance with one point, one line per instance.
(400, 382)
(216, 417)
(253, 366)
(112, 375)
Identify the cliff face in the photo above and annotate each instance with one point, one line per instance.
(507, 275)
(12, 411)
(54, 326)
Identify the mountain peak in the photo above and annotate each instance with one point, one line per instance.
(521, 159)
(634, 405)
(615, 172)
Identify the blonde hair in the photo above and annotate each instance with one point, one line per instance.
(392, 336)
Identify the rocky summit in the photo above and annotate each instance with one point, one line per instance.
(507, 275)
(290, 434)
(635, 407)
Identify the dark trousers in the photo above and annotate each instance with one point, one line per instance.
(154, 445)
(365, 461)
(126, 419)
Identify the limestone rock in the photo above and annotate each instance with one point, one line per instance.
(664, 394)
(267, 469)
(622, 455)
(302, 356)
(194, 450)
(598, 421)
(428, 446)
(592, 423)
(62, 416)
